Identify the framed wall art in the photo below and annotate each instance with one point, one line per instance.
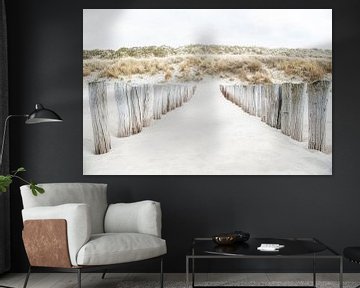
(207, 92)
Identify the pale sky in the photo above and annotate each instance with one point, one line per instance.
(290, 28)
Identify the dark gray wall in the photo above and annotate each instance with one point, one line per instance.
(45, 50)
(4, 166)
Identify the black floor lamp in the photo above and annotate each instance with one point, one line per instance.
(39, 115)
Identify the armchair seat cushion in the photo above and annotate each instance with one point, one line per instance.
(114, 248)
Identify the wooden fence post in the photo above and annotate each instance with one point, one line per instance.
(236, 95)
(264, 103)
(188, 93)
(273, 115)
(257, 95)
(178, 96)
(148, 104)
(136, 106)
(122, 97)
(286, 108)
(158, 99)
(165, 99)
(318, 93)
(297, 111)
(99, 116)
(252, 100)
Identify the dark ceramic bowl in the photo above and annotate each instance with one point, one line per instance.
(231, 238)
(225, 239)
(242, 236)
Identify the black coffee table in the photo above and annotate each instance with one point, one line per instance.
(295, 248)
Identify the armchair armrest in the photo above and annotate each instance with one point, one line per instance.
(78, 225)
(138, 217)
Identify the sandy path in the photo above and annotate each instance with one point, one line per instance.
(208, 135)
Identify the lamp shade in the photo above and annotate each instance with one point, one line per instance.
(42, 115)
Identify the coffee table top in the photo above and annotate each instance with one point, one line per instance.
(293, 247)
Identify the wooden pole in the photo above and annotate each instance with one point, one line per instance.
(319, 93)
(297, 111)
(148, 104)
(136, 107)
(257, 94)
(286, 108)
(165, 99)
(273, 110)
(99, 116)
(158, 101)
(139, 105)
(264, 104)
(122, 97)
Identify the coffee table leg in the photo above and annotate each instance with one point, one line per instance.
(187, 272)
(193, 272)
(314, 271)
(341, 273)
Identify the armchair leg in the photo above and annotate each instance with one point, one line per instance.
(27, 277)
(103, 275)
(161, 273)
(79, 277)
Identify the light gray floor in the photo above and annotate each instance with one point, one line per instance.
(115, 280)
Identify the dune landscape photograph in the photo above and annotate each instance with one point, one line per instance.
(207, 92)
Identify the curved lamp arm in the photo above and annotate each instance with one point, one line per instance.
(39, 115)
(4, 133)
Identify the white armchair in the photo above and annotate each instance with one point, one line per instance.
(79, 231)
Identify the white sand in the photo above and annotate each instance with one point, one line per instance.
(207, 136)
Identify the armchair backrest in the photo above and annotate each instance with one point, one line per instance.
(55, 194)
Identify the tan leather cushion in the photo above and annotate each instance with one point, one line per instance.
(77, 219)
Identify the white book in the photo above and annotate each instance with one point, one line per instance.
(270, 247)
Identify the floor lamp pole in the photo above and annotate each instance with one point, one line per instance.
(2, 150)
(4, 135)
